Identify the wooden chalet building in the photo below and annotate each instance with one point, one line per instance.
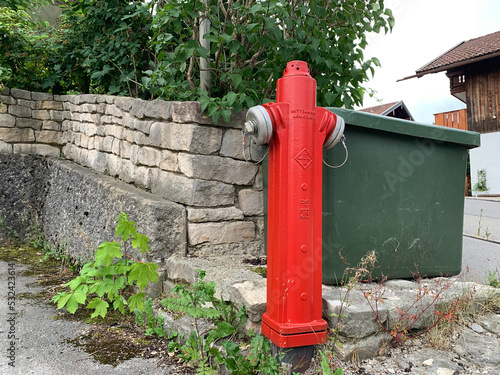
(473, 68)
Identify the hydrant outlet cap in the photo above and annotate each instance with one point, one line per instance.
(260, 125)
(336, 135)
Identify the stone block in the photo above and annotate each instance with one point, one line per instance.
(169, 161)
(85, 98)
(251, 202)
(91, 143)
(360, 320)
(114, 165)
(142, 177)
(115, 148)
(98, 161)
(8, 100)
(134, 151)
(232, 146)
(141, 138)
(259, 182)
(4, 90)
(113, 110)
(66, 125)
(3, 108)
(51, 125)
(159, 109)
(5, 148)
(36, 149)
(181, 189)
(155, 109)
(7, 121)
(114, 130)
(41, 96)
(202, 215)
(218, 233)
(89, 108)
(107, 144)
(57, 115)
(127, 171)
(125, 149)
(97, 143)
(12, 135)
(111, 120)
(20, 111)
(251, 294)
(124, 103)
(26, 103)
(185, 112)
(20, 94)
(210, 167)
(185, 137)
(49, 136)
(90, 130)
(42, 114)
(24, 122)
(142, 126)
(149, 156)
(49, 104)
(128, 135)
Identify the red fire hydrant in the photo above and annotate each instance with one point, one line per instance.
(297, 132)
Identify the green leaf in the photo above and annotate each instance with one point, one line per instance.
(236, 78)
(329, 98)
(136, 301)
(107, 252)
(124, 228)
(72, 300)
(100, 306)
(143, 273)
(141, 241)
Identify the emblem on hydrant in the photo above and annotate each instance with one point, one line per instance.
(297, 132)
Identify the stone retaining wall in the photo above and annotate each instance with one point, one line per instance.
(72, 208)
(167, 148)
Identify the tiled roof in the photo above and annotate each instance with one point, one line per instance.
(379, 109)
(396, 109)
(464, 53)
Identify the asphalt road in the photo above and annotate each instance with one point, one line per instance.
(32, 342)
(481, 247)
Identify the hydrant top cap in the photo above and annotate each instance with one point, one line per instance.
(296, 68)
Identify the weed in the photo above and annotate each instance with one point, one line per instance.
(112, 274)
(494, 279)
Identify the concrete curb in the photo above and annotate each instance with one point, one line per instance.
(350, 312)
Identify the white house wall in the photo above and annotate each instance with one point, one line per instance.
(487, 157)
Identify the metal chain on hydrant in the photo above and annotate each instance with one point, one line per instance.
(250, 151)
(346, 155)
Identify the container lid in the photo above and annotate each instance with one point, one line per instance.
(409, 128)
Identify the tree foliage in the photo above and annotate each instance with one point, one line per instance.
(251, 42)
(153, 50)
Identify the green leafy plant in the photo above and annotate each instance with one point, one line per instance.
(480, 185)
(153, 324)
(250, 44)
(110, 278)
(199, 302)
(24, 47)
(325, 365)
(494, 279)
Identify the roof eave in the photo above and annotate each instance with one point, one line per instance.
(451, 66)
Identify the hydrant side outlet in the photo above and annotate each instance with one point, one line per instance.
(294, 239)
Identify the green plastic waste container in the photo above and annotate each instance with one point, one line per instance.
(400, 194)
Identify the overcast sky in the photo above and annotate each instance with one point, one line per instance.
(424, 30)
